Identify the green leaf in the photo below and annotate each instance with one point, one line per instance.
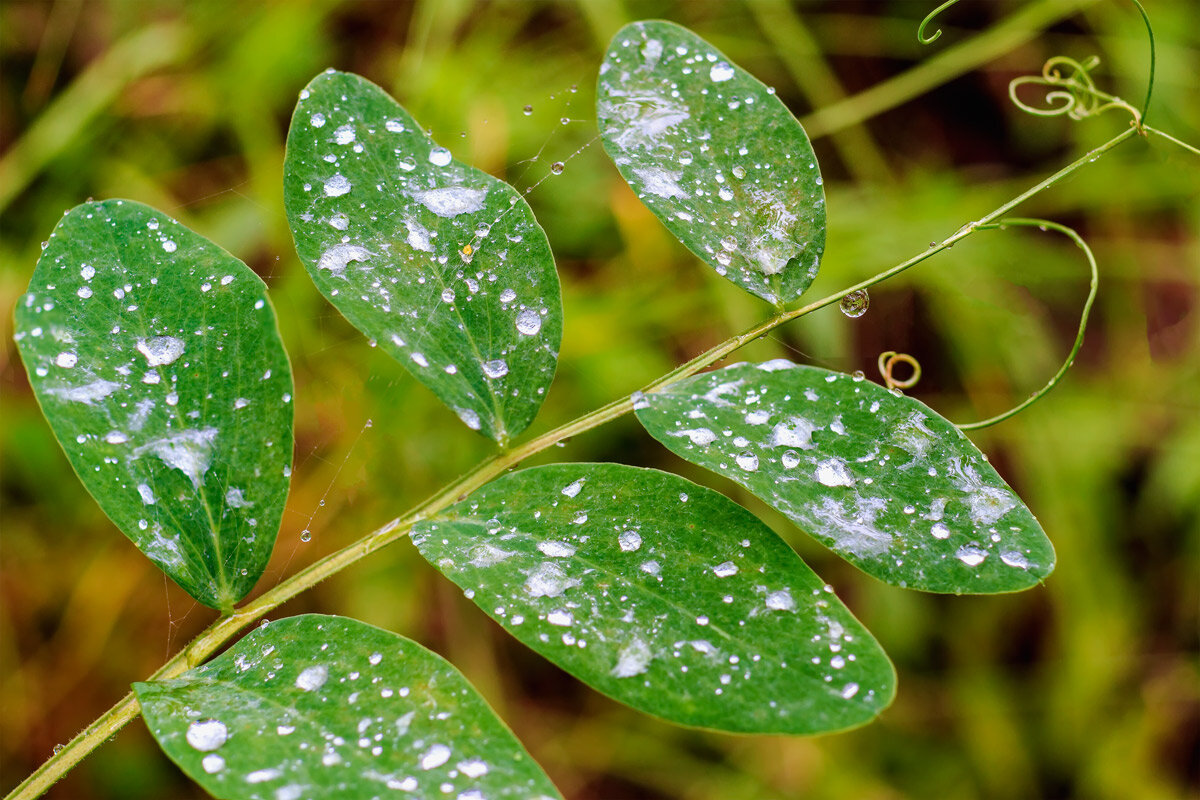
(316, 706)
(441, 264)
(663, 595)
(716, 156)
(880, 478)
(156, 359)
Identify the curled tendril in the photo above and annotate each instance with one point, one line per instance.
(888, 362)
(921, 37)
(1072, 91)
(1046, 225)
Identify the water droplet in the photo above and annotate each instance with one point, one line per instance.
(440, 157)
(1015, 559)
(312, 678)
(207, 735)
(781, 600)
(557, 167)
(317, 120)
(738, 171)
(344, 134)
(790, 459)
(725, 570)
(66, 360)
(337, 186)
(527, 110)
(306, 535)
(721, 71)
(685, 158)
(855, 304)
(160, 350)
(725, 193)
(529, 322)
(565, 121)
(212, 763)
(940, 531)
(629, 540)
(435, 756)
(497, 368)
(971, 556)
(747, 461)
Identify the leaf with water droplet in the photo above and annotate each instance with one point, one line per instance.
(318, 706)
(155, 357)
(880, 478)
(664, 595)
(441, 264)
(716, 156)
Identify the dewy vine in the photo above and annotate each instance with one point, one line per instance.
(156, 359)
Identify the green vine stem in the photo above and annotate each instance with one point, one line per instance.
(1153, 58)
(1047, 225)
(1170, 138)
(222, 631)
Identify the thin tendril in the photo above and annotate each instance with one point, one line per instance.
(1150, 79)
(1047, 225)
(929, 18)
(1073, 92)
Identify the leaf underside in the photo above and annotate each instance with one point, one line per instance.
(156, 359)
(880, 478)
(317, 706)
(664, 595)
(442, 265)
(716, 156)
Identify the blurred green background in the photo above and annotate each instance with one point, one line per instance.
(1087, 687)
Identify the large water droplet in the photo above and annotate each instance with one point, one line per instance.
(721, 71)
(206, 735)
(529, 322)
(855, 304)
(439, 157)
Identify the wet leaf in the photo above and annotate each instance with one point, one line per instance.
(664, 595)
(880, 478)
(716, 156)
(441, 264)
(316, 706)
(156, 359)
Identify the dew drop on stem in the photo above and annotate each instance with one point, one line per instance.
(855, 304)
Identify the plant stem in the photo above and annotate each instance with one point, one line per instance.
(1171, 138)
(227, 626)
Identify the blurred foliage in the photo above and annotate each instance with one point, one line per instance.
(1087, 687)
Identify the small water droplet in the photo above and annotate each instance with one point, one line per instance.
(557, 167)
(306, 535)
(440, 157)
(855, 304)
(527, 110)
(747, 461)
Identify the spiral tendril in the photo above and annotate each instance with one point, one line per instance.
(888, 361)
(1072, 91)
